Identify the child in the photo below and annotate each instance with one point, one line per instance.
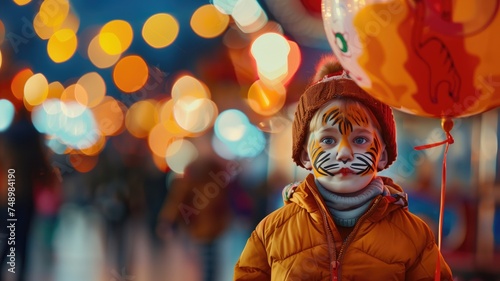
(343, 222)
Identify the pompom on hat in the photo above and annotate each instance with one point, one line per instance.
(333, 82)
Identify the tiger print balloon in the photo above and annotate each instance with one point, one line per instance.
(431, 58)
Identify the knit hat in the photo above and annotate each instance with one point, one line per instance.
(335, 83)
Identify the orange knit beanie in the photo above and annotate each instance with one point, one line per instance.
(333, 82)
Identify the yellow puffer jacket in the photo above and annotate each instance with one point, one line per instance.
(300, 242)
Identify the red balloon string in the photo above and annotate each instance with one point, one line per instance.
(447, 125)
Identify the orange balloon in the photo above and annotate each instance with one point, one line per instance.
(430, 58)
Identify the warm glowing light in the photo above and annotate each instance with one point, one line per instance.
(36, 89)
(168, 121)
(189, 86)
(0, 58)
(180, 154)
(208, 22)
(249, 16)
(7, 112)
(195, 115)
(98, 56)
(94, 86)
(130, 73)
(42, 30)
(75, 93)
(110, 116)
(83, 163)
(270, 51)
(115, 37)
(159, 139)
(55, 90)
(160, 163)
(18, 82)
(294, 60)
(53, 12)
(62, 45)
(45, 32)
(224, 6)
(22, 2)
(160, 30)
(141, 118)
(96, 148)
(266, 100)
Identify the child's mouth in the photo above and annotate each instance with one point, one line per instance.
(345, 171)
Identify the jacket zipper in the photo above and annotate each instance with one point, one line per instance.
(331, 248)
(353, 233)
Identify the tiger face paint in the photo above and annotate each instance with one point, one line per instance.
(344, 147)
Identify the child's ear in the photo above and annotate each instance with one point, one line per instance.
(304, 158)
(383, 160)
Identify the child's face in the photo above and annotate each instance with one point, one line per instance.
(344, 148)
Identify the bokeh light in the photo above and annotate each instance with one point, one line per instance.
(231, 125)
(75, 93)
(159, 140)
(241, 138)
(141, 117)
(168, 121)
(224, 6)
(56, 146)
(7, 113)
(180, 154)
(55, 90)
(160, 30)
(96, 147)
(208, 22)
(53, 12)
(265, 100)
(110, 116)
(22, 2)
(94, 86)
(62, 45)
(42, 30)
(270, 51)
(0, 59)
(130, 73)
(160, 163)
(195, 115)
(115, 37)
(187, 85)
(83, 163)
(98, 56)
(36, 89)
(18, 82)
(45, 31)
(58, 119)
(294, 61)
(249, 16)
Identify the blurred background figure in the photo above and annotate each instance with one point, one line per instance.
(37, 192)
(198, 206)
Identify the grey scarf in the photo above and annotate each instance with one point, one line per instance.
(347, 208)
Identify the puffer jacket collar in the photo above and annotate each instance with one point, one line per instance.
(307, 196)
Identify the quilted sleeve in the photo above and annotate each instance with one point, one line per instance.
(425, 267)
(252, 264)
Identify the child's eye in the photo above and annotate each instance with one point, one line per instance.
(360, 140)
(327, 140)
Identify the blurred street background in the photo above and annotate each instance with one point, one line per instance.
(148, 138)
